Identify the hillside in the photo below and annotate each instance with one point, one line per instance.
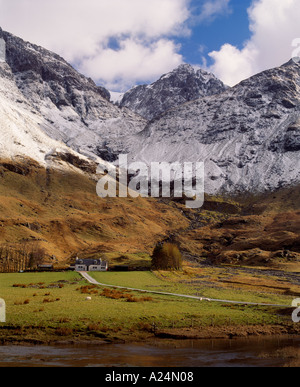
(61, 212)
(263, 231)
(56, 124)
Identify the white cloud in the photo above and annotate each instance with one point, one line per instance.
(140, 62)
(274, 24)
(81, 32)
(213, 8)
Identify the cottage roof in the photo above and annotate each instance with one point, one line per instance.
(89, 262)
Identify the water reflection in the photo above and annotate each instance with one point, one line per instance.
(267, 352)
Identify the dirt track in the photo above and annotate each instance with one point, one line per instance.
(94, 282)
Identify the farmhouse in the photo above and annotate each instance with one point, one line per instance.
(90, 265)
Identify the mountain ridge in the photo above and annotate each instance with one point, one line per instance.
(74, 110)
(248, 136)
(55, 125)
(181, 85)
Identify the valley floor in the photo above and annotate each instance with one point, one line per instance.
(47, 308)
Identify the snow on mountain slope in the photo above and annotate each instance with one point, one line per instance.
(116, 97)
(75, 110)
(248, 136)
(182, 85)
(21, 133)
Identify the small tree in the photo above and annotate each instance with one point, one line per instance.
(36, 256)
(166, 257)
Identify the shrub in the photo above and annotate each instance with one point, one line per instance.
(93, 327)
(144, 326)
(120, 294)
(132, 299)
(166, 257)
(25, 302)
(64, 331)
(64, 320)
(146, 298)
(49, 300)
(39, 310)
(87, 289)
(114, 294)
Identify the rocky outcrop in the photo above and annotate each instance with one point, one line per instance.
(182, 85)
(248, 136)
(75, 110)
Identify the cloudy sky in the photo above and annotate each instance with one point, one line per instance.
(121, 43)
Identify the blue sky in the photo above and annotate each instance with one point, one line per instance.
(206, 36)
(121, 43)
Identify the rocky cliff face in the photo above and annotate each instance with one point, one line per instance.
(182, 85)
(75, 110)
(248, 136)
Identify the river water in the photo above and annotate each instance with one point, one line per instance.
(260, 352)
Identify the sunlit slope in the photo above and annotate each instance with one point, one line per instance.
(62, 211)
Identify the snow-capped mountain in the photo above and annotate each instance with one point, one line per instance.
(248, 136)
(182, 85)
(73, 109)
(21, 135)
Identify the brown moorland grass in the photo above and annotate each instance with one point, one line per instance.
(63, 212)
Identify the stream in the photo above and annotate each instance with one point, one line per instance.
(254, 352)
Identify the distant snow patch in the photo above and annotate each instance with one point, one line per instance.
(116, 97)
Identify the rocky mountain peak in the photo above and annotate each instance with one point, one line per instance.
(43, 65)
(248, 136)
(181, 85)
(74, 109)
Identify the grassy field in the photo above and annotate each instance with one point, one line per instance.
(42, 306)
(186, 282)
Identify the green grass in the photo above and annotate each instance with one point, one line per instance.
(136, 279)
(111, 318)
(174, 283)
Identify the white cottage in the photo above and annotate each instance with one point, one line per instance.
(91, 265)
